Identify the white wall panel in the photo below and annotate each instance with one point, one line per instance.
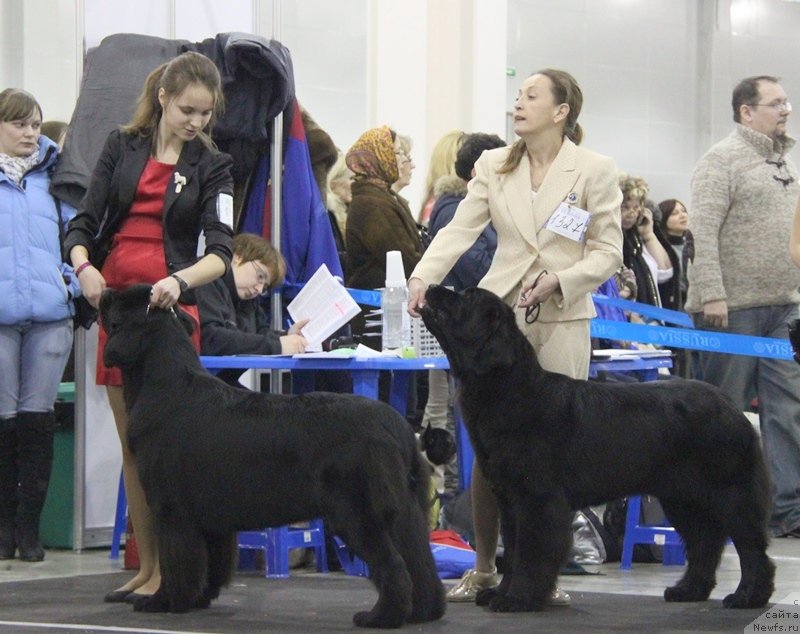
(146, 17)
(196, 20)
(328, 43)
(635, 61)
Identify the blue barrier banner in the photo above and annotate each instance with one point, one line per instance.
(655, 312)
(368, 298)
(373, 298)
(706, 340)
(690, 338)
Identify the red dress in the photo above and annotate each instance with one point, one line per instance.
(137, 253)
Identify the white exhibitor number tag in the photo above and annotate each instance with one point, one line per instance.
(570, 222)
(225, 209)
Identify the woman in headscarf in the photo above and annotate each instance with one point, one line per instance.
(378, 220)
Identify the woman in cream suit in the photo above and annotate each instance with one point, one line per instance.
(556, 209)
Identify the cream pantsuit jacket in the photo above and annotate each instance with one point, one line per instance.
(525, 247)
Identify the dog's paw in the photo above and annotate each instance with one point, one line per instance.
(203, 602)
(152, 603)
(745, 600)
(371, 619)
(431, 612)
(486, 595)
(683, 593)
(505, 603)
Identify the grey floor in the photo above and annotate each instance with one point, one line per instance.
(63, 594)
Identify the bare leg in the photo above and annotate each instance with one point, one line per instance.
(486, 520)
(148, 579)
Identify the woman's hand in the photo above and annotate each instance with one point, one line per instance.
(293, 344)
(165, 293)
(92, 285)
(645, 224)
(538, 290)
(416, 296)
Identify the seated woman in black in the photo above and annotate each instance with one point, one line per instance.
(232, 320)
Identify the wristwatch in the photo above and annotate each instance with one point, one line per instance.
(184, 286)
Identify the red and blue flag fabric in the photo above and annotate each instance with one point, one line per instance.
(306, 236)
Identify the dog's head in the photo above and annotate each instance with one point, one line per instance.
(476, 329)
(130, 324)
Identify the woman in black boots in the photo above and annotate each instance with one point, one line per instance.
(35, 323)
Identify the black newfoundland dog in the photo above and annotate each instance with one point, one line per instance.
(550, 445)
(214, 459)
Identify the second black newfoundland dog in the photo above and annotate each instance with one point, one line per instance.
(549, 445)
(214, 459)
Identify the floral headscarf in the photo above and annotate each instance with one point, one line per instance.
(372, 157)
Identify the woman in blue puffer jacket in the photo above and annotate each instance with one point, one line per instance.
(36, 290)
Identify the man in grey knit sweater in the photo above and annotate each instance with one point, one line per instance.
(742, 279)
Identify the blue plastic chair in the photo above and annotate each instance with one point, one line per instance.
(277, 542)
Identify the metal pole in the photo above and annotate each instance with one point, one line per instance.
(277, 187)
(79, 343)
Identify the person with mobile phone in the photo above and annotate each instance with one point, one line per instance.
(645, 249)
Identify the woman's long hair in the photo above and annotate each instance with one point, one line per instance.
(174, 76)
(565, 90)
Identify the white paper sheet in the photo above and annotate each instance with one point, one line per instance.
(326, 303)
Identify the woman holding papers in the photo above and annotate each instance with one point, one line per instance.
(232, 320)
(555, 207)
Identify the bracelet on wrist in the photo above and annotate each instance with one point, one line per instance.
(82, 268)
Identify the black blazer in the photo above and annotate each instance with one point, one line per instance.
(112, 189)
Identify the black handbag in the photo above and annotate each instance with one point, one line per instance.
(424, 236)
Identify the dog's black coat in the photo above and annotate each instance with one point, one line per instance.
(214, 459)
(549, 445)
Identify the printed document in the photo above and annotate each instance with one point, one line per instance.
(326, 303)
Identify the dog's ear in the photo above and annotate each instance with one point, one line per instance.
(185, 320)
(106, 300)
(500, 349)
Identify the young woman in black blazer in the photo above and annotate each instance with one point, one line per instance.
(158, 184)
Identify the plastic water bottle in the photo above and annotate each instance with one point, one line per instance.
(396, 322)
